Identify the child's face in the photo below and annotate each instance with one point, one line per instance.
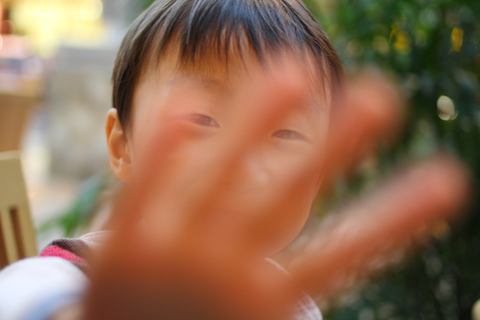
(203, 103)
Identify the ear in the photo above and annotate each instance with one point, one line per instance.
(118, 147)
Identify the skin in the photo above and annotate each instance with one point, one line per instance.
(206, 120)
(186, 245)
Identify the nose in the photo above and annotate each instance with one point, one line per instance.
(251, 174)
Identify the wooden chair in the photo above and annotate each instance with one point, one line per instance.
(17, 235)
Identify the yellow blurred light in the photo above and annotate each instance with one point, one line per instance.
(403, 42)
(457, 39)
(446, 108)
(46, 9)
(64, 9)
(381, 45)
(51, 22)
(91, 9)
(30, 7)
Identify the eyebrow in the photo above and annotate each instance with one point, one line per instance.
(316, 106)
(213, 84)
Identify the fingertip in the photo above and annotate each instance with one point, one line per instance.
(378, 103)
(449, 181)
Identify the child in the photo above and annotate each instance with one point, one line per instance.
(221, 111)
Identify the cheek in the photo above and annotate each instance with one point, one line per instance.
(296, 211)
(293, 207)
(148, 136)
(139, 147)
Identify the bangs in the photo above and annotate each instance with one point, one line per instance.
(226, 31)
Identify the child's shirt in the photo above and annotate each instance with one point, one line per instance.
(36, 288)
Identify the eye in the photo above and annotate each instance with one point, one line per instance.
(203, 120)
(288, 135)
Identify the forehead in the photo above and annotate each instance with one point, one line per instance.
(220, 74)
(174, 89)
(224, 88)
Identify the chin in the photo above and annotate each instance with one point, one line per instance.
(285, 237)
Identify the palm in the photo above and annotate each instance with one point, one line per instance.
(170, 258)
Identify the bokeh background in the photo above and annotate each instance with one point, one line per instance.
(56, 58)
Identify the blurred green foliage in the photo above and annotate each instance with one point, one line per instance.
(80, 214)
(432, 48)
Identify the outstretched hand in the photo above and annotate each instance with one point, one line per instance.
(182, 251)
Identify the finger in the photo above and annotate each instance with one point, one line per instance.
(153, 173)
(371, 111)
(130, 202)
(436, 189)
(267, 99)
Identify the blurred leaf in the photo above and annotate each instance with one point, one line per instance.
(433, 49)
(82, 209)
